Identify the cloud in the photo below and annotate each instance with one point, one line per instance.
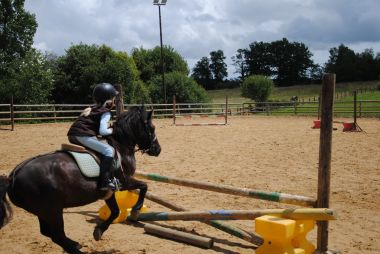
(195, 28)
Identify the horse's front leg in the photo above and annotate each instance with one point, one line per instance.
(143, 187)
(103, 226)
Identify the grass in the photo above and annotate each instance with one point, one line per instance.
(343, 107)
(304, 92)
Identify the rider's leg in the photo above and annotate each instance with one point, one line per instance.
(106, 174)
(106, 164)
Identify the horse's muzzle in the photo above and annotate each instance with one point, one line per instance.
(154, 150)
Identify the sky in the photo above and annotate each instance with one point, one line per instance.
(197, 27)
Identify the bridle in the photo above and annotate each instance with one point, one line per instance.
(152, 139)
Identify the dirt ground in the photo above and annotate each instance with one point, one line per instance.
(265, 153)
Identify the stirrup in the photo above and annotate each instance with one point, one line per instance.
(109, 185)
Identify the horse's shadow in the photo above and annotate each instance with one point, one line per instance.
(111, 251)
(95, 220)
(216, 240)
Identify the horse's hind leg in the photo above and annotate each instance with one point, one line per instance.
(103, 226)
(44, 227)
(46, 231)
(53, 226)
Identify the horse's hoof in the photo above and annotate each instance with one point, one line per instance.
(134, 215)
(97, 234)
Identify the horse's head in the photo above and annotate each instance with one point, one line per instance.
(135, 127)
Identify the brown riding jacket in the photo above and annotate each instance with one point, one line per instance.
(88, 126)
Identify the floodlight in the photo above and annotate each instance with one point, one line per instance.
(159, 2)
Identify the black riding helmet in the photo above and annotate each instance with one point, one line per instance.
(103, 92)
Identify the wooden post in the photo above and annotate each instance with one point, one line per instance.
(55, 113)
(355, 96)
(225, 116)
(319, 107)
(12, 114)
(119, 100)
(325, 146)
(176, 235)
(245, 192)
(174, 106)
(235, 231)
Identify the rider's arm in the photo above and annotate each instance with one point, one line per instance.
(103, 127)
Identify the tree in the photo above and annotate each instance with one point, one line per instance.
(257, 88)
(291, 61)
(202, 73)
(259, 59)
(342, 62)
(351, 66)
(34, 81)
(184, 88)
(217, 66)
(149, 65)
(83, 66)
(240, 63)
(288, 63)
(367, 65)
(17, 28)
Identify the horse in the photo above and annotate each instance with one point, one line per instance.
(46, 184)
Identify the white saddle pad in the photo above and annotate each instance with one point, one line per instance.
(87, 164)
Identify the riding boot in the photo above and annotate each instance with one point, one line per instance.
(105, 182)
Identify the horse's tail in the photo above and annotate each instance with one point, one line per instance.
(5, 208)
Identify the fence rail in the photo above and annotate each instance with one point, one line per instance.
(58, 112)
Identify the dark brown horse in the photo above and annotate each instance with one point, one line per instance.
(46, 184)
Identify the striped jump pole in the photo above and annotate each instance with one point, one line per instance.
(258, 194)
(235, 231)
(316, 214)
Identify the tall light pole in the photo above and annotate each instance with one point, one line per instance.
(159, 3)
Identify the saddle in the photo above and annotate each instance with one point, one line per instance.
(87, 160)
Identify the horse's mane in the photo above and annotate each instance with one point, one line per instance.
(124, 128)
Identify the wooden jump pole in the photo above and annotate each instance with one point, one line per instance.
(317, 214)
(176, 235)
(325, 147)
(270, 196)
(235, 231)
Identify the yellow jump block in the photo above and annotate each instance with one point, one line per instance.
(125, 200)
(284, 236)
